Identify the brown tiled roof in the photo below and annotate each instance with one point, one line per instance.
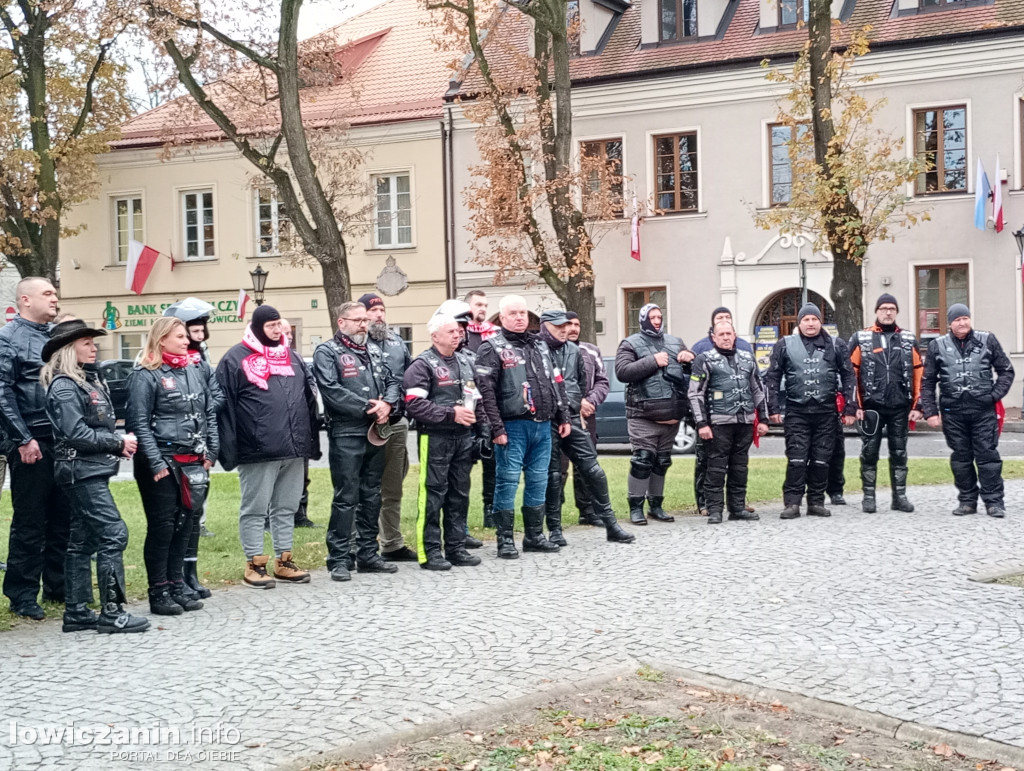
(623, 57)
(393, 73)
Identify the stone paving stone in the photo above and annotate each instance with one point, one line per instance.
(869, 610)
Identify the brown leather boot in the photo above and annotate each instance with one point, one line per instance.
(256, 573)
(286, 570)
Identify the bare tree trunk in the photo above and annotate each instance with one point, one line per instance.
(846, 290)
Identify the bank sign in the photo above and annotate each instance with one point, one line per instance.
(225, 312)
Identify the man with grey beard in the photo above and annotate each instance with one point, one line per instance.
(396, 356)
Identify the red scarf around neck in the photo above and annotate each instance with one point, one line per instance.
(176, 361)
(265, 361)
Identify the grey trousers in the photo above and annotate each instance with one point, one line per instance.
(396, 466)
(274, 487)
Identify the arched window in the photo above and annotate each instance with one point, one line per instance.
(781, 308)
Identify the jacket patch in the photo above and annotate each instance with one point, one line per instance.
(508, 358)
(168, 383)
(348, 365)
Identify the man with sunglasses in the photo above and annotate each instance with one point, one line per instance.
(889, 371)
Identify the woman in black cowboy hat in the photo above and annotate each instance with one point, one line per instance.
(86, 455)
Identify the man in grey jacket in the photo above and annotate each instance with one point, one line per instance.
(39, 528)
(726, 399)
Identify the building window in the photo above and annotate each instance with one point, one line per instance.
(197, 210)
(780, 165)
(404, 332)
(601, 162)
(940, 141)
(635, 299)
(392, 211)
(938, 287)
(127, 225)
(273, 228)
(572, 26)
(675, 172)
(937, 3)
(130, 344)
(793, 12)
(678, 19)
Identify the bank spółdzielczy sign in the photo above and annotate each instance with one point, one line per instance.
(143, 315)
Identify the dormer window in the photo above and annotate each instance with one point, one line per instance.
(792, 12)
(678, 19)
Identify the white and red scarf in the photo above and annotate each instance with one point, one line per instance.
(485, 329)
(264, 361)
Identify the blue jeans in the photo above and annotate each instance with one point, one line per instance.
(528, 450)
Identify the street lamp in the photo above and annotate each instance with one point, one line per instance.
(1019, 238)
(259, 283)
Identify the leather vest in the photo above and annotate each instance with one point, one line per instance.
(567, 358)
(668, 382)
(447, 389)
(363, 376)
(871, 384)
(513, 384)
(959, 374)
(393, 353)
(97, 412)
(811, 379)
(729, 383)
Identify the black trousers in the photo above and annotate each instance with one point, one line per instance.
(356, 471)
(974, 439)
(700, 472)
(728, 454)
(302, 512)
(581, 493)
(487, 466)
(39, 530)
(837, 463)
(445, 463)
(96, 528)
(580, 449)
(897, 430)
(810, 440)
(168, 525)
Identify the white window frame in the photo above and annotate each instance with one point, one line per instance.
(115, 198)
(621, 299)
(652, 182)
(276, 220)
(121, 340)
(202, 256)
(627, 186)
(911, 135)
(393, 175)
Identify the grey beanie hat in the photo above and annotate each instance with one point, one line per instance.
(956, 310)
(810, 309)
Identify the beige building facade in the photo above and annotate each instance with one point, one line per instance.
(696, 138)
(204, 205)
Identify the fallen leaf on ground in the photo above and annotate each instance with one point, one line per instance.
(728, 753)
(476, 739)
(776, 767)
(837, 741)
(943, 749)
(651, 758)
(633, 749)
(470, 766)
(700, 694)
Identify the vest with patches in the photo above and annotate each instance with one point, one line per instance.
(811, 379)
(874, 367)
(729, 383)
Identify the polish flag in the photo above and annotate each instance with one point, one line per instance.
(997, 200)
(141, 259)
(634, 232)
(243, 300)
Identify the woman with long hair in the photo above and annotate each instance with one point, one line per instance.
(86, 455)
(172, 412)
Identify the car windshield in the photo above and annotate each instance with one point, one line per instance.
(615, 385)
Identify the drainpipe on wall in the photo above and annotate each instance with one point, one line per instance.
(449, 262)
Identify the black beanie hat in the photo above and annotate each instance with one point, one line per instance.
(716, 311)
(261, 316)
(809, 310)
(956, 310)
(886, 298)
(370, 300)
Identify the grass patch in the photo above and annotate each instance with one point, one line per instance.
(221, 560)
(1017, 580)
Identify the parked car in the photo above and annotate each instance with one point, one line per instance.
(116, 372)
(611, 416)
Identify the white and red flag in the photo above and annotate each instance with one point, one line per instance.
(634, 233)
(997, 199)
(243, 300)
(141, 259)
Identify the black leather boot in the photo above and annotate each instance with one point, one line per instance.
(192, 580)
(554, 521)
(636, 510)
(868, 478)
(489, 520)
(114, 619)
(817, 510)
(503, 523)
(161, 604)
(655, 510)
(533, 531)
(714, 517)
(899, 490)
(185, 597)
(790, 512)
(965, 509)
(613, 530)
(78, 618)
(472, 543)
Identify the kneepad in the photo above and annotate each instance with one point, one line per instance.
(662, 463)
(642, 464)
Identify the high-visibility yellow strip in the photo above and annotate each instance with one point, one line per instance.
(421, 519)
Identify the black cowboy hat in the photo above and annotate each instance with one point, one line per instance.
(67, 332)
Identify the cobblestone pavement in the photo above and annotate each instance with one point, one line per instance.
(871, 611)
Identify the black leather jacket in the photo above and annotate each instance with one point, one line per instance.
(83, 428)
(348, 379)
(172, 412)
(22, 398)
